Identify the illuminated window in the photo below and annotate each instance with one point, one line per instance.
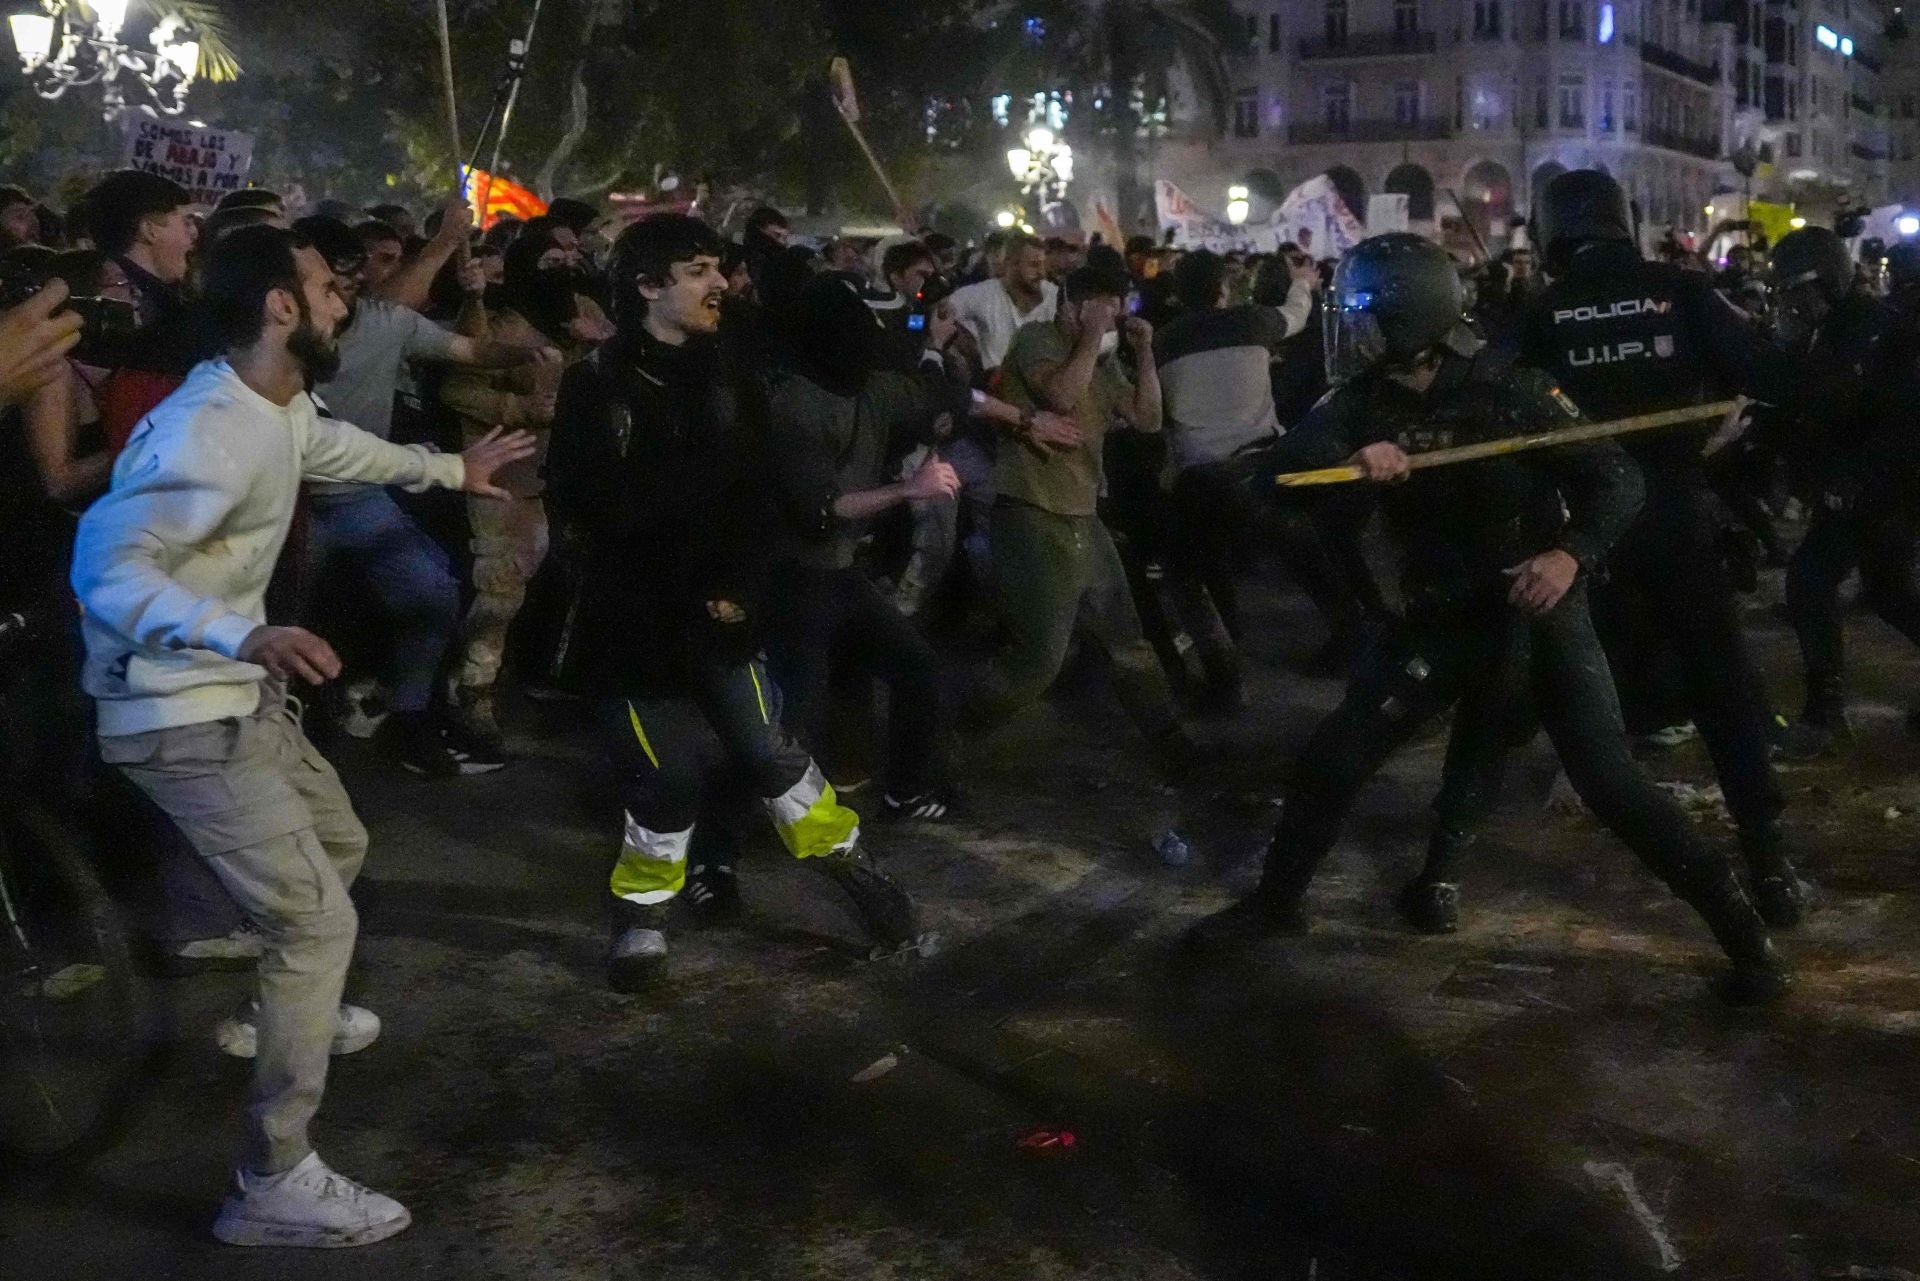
(1606, 24)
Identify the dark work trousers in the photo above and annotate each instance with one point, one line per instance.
(1464, 654)
(1879, 540)
(686, 759)
(823, 618)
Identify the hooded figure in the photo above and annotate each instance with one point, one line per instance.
(830, 336)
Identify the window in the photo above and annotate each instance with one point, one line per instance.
(1406, 17)
(1273, 32)
(1486, 107)
(1252, 22)
(1406, 103)
(1793, 144)
(1573, 23)
(1630, 107)
(1906, 147)
(1541, 109)
(1606, 106)
(1339, 107)
(1486, 19)
(1518, 105)
(1246, 114)
(1336, 21)
(1540, 21)
(1573, 102)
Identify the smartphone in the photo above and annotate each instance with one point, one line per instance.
(1133, 303)
(917, 322)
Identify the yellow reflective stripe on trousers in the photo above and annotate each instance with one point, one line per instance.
(759, 695)
(653, 865)
(633, 718)
(810, 820)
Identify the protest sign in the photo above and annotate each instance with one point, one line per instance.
(207, 162)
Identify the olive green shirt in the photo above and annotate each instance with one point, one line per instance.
(1067, 484)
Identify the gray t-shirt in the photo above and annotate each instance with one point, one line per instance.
(374, 350)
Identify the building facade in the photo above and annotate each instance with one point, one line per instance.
(1473, 105)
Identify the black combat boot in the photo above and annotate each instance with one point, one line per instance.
(1431, 901)
(1759, 974)
(1781, 896)
(1270, 911)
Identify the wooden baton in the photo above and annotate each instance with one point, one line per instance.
(1520, 444)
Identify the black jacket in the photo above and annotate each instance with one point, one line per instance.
(1460, 526)
(1625, 336)
(657, 479)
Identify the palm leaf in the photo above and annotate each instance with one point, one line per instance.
(217, 60)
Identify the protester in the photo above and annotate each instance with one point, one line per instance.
(192, 687)
(1055, 564)
(19, 219)
(360, 527)
(658, 472)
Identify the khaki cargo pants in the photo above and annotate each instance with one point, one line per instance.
(266, 811)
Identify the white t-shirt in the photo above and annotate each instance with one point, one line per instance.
(991, 317)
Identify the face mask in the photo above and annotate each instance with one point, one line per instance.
(1109, 342)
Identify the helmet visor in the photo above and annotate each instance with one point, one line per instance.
(1354, 340)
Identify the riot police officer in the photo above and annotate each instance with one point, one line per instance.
(1852, 458)
(1497, 553)
(1624, 336)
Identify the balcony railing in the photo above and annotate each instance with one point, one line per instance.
(1370, 44)
(1673, 140)
(1866, 106)
(1679, 64)
(1371, 131)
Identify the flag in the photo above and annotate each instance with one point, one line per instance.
(503, 197)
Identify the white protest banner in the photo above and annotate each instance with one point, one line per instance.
(1197, 228)
(1314, 217)
(207, 162)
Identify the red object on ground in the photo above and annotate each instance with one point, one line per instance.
(1047, 1140)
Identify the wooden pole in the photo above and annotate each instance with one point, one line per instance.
(840, 82)
(1520, 444)
(453, 106)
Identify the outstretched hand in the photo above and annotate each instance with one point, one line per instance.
(486, 457)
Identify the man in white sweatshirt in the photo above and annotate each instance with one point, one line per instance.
(171, 569)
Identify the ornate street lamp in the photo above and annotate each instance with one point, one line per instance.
(1043, 167)
(60, 50)
(1239, 205)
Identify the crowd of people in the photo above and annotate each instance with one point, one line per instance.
(719, 491)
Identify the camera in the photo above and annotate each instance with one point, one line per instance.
(106, 323)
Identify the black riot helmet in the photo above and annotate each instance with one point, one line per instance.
(1576, 208)
(1903, 265)
(1812, 272)
(1813, 256)
(1393, 298)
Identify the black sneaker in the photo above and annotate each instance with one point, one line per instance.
(414, 742)
(1432, 907)
(885, 910)
(713, 892)
(921, 807)
(475, 753)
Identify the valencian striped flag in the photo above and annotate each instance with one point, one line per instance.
(493, 198)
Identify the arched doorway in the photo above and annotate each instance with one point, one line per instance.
(1542, 175)
(1416, 184)
(1353, 192)
(1486, 198)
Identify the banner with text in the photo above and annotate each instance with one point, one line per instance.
(207, 162)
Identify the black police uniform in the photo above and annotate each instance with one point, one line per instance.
(1460, 642)
(1624, 336)
(1853, 454)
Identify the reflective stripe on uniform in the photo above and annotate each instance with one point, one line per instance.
(633, 718)
(759, 695)
(810, 820)
(652, 866)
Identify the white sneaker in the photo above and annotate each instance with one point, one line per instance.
(308, 1205)
(240, 1037)
(242, 945)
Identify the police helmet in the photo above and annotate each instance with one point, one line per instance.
(1813, 256)
(1579, 206)
(1393, 297)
